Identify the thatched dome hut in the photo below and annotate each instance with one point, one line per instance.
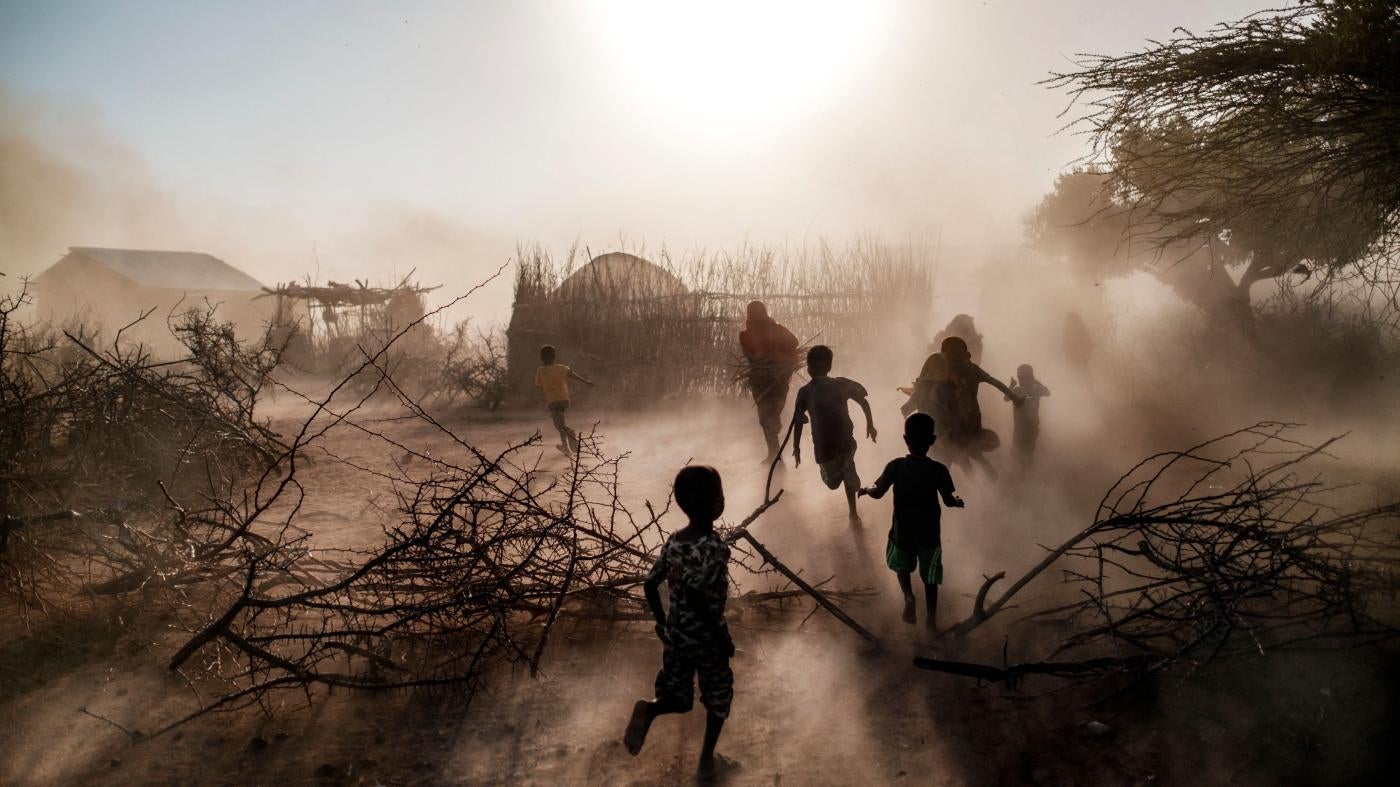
(619, 276)
(610, 318)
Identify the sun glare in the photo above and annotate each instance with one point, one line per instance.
(725, 68)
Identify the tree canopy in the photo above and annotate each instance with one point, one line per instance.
(1272, 142)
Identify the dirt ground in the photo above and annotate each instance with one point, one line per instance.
(814, 704)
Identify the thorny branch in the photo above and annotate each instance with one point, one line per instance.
(1225, 550)
(485, 556)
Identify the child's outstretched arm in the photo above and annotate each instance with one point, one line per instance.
(869, 418)
(652, 588)
(579, 377)
(946, 491)
(799, 417)
(882, 484)
(1016, 399)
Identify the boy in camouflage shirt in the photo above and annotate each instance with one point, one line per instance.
(694, 564)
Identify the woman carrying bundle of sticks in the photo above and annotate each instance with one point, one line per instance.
(771, 354)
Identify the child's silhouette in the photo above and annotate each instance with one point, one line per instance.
(915, 540)
(823, 402)
(694, 564)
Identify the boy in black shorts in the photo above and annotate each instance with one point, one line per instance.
(823, 402)
(694, 564)
(915, 540)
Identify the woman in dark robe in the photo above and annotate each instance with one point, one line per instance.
(967, 438)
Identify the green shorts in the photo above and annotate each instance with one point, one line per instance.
(928, 560)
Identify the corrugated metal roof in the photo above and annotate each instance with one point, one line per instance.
(176, 270)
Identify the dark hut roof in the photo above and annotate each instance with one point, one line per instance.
(176, 270)
(619, 275)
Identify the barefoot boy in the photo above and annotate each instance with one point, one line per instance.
(915, 540)
(553, 380)
(694, 564)
(823, 402)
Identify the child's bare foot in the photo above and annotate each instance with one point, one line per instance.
(564, 449)
(908, 616)
(715, 769)
(855, 521)
(637, 728)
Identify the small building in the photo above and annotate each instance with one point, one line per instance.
(107, 289)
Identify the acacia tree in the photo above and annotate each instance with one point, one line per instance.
(1266, 146)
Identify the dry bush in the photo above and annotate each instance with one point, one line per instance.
(1351, 356)
(473, 366)
(1229, 550)
(94, 439)
(485, 555)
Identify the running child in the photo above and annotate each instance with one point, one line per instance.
(915, 540)
(1026, 418)
(694, 564)
(553, 381)
(823, 401)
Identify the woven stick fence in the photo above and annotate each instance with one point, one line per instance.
(669, 326)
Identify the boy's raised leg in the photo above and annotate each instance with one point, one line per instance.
(907, 586)
(637, 727)
(643, 714)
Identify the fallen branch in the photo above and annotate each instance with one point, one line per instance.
(1224, 549)
(1012, 675)
(817, 595)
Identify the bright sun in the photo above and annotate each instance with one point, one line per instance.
(725, 67)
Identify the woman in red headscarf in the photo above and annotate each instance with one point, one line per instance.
(771, 352)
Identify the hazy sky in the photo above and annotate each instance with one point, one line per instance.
(438, 134)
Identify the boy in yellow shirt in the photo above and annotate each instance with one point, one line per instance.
(553, 380)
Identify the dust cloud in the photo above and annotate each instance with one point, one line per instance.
(66, 180)
(809, 704)
(812, 706)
